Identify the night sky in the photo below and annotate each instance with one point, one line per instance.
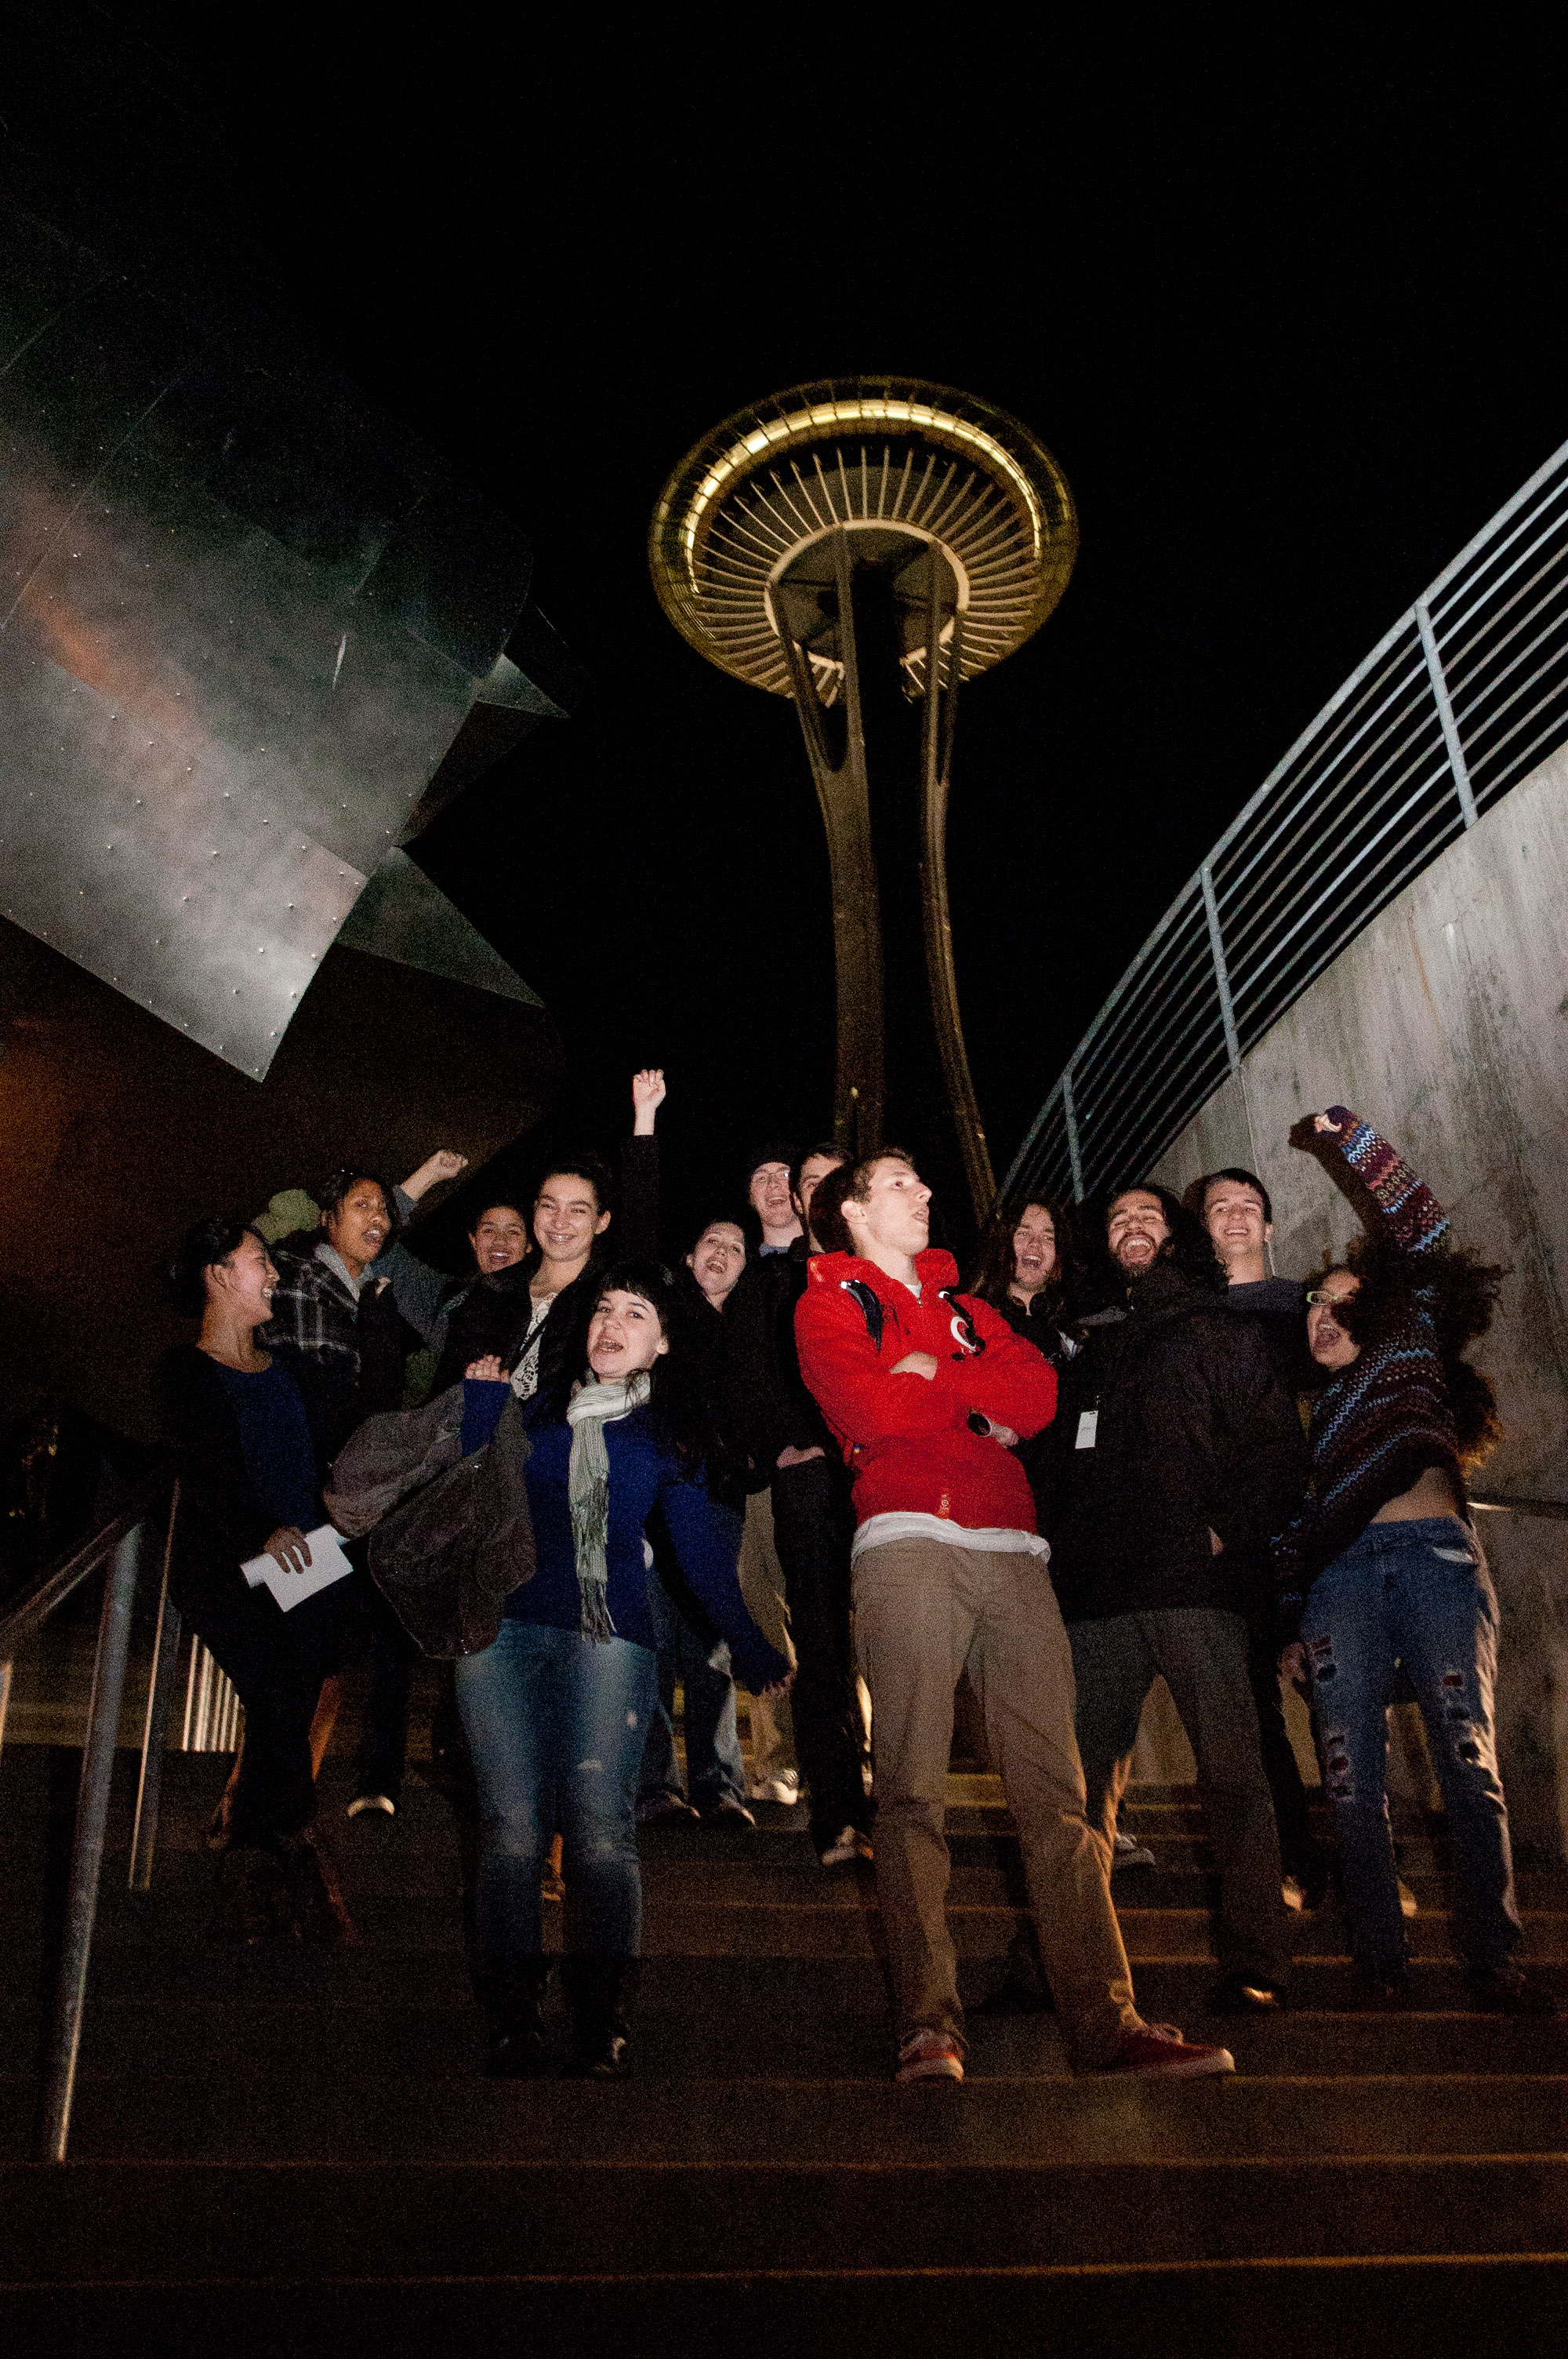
(1288, 312)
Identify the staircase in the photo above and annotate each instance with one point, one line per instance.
(290, 2152)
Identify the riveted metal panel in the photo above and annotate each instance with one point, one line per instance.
(242, 619)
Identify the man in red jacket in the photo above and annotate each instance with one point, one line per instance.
(927, 1391)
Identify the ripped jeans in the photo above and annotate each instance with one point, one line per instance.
(1417, 1594)
(557, 1724)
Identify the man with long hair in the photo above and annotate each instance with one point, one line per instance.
(1186, 1456)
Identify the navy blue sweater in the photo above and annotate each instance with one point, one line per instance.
(644, 1473)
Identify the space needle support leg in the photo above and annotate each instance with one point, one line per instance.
(937, 723)
(843, 791)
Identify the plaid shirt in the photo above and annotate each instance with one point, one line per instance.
(315, 1329)
(315, 1314)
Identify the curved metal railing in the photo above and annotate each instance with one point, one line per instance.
(1463, 698)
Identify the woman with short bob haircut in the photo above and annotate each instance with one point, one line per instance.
(556, 1711)
(250, 1483)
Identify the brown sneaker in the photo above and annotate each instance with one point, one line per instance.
(1157, 2051)
(319, 1907)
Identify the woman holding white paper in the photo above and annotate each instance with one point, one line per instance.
(250, 1488)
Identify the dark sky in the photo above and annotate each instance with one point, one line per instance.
(1289, 312)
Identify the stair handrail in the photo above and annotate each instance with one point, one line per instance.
(118, 1541)
(25, 1615)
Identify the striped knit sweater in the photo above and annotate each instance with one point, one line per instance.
(1387, 1416)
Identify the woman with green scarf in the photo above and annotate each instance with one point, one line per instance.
(556, 1711)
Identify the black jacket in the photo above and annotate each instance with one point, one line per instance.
(220, 1521)
(772, 1409)
(1041, 1455)
(1193, 1431)
(494, 1313)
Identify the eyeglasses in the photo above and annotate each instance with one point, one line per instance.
(1325, 1302)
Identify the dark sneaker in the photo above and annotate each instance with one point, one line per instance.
(1125, 1853)
(929, 2056)
(665, 1809)
(1157, 2051)
(1376, 1991)
(254, 1904)
(726, 1812)
(1507, 1990)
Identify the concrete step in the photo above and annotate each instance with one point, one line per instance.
(297, 2224)
(678, 2037)
(1446, 2307)
(683, 1922)
(280, 2116)
(730, 1978)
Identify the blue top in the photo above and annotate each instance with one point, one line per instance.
(644, 1473)
(275, 1442)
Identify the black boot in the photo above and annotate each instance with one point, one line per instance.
(517, 2047)
(600, 1994)
(253, 1903)
(320, 1909)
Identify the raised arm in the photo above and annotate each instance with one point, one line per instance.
(1411, 1213)
(418, 1289)
(637, 1223)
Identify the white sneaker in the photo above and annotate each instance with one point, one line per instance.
(929, 2056)
(1125, 1853)
(851, 1844)
(784, 1790)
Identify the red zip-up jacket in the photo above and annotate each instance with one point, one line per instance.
(907, 1439)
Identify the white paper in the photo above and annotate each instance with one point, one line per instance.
(328, 1563)
(1088, 1423)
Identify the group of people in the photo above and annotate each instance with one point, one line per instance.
(806, 1458)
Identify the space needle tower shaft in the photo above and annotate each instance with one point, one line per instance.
(863, 548)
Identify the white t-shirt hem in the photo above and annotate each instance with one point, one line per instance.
(907, 1524)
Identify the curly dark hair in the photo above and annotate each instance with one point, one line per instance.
(677, 1399)
(994, 1257)
(1461, 1295)
(1189, 1247)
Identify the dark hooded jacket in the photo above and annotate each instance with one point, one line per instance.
(1173, 1423)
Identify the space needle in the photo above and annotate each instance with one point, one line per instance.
(863, 545)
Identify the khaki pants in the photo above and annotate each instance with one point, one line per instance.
(924, 1611)
(762, 1581)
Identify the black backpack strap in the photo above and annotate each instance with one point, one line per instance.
(871, 1309)
(976, 1343)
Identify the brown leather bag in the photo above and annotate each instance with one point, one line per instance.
(449, 1555)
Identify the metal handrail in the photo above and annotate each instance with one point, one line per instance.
(120, 1543)
(24, 1616)
(1460, 701)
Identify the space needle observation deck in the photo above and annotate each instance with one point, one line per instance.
(863, 545)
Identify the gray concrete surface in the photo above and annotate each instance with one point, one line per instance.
(1444, 1024)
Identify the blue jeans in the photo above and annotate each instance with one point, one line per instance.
(714, 1768)
(557, 1724)
(1416, 1593)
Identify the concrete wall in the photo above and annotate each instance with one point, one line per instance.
(1445, 1023)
